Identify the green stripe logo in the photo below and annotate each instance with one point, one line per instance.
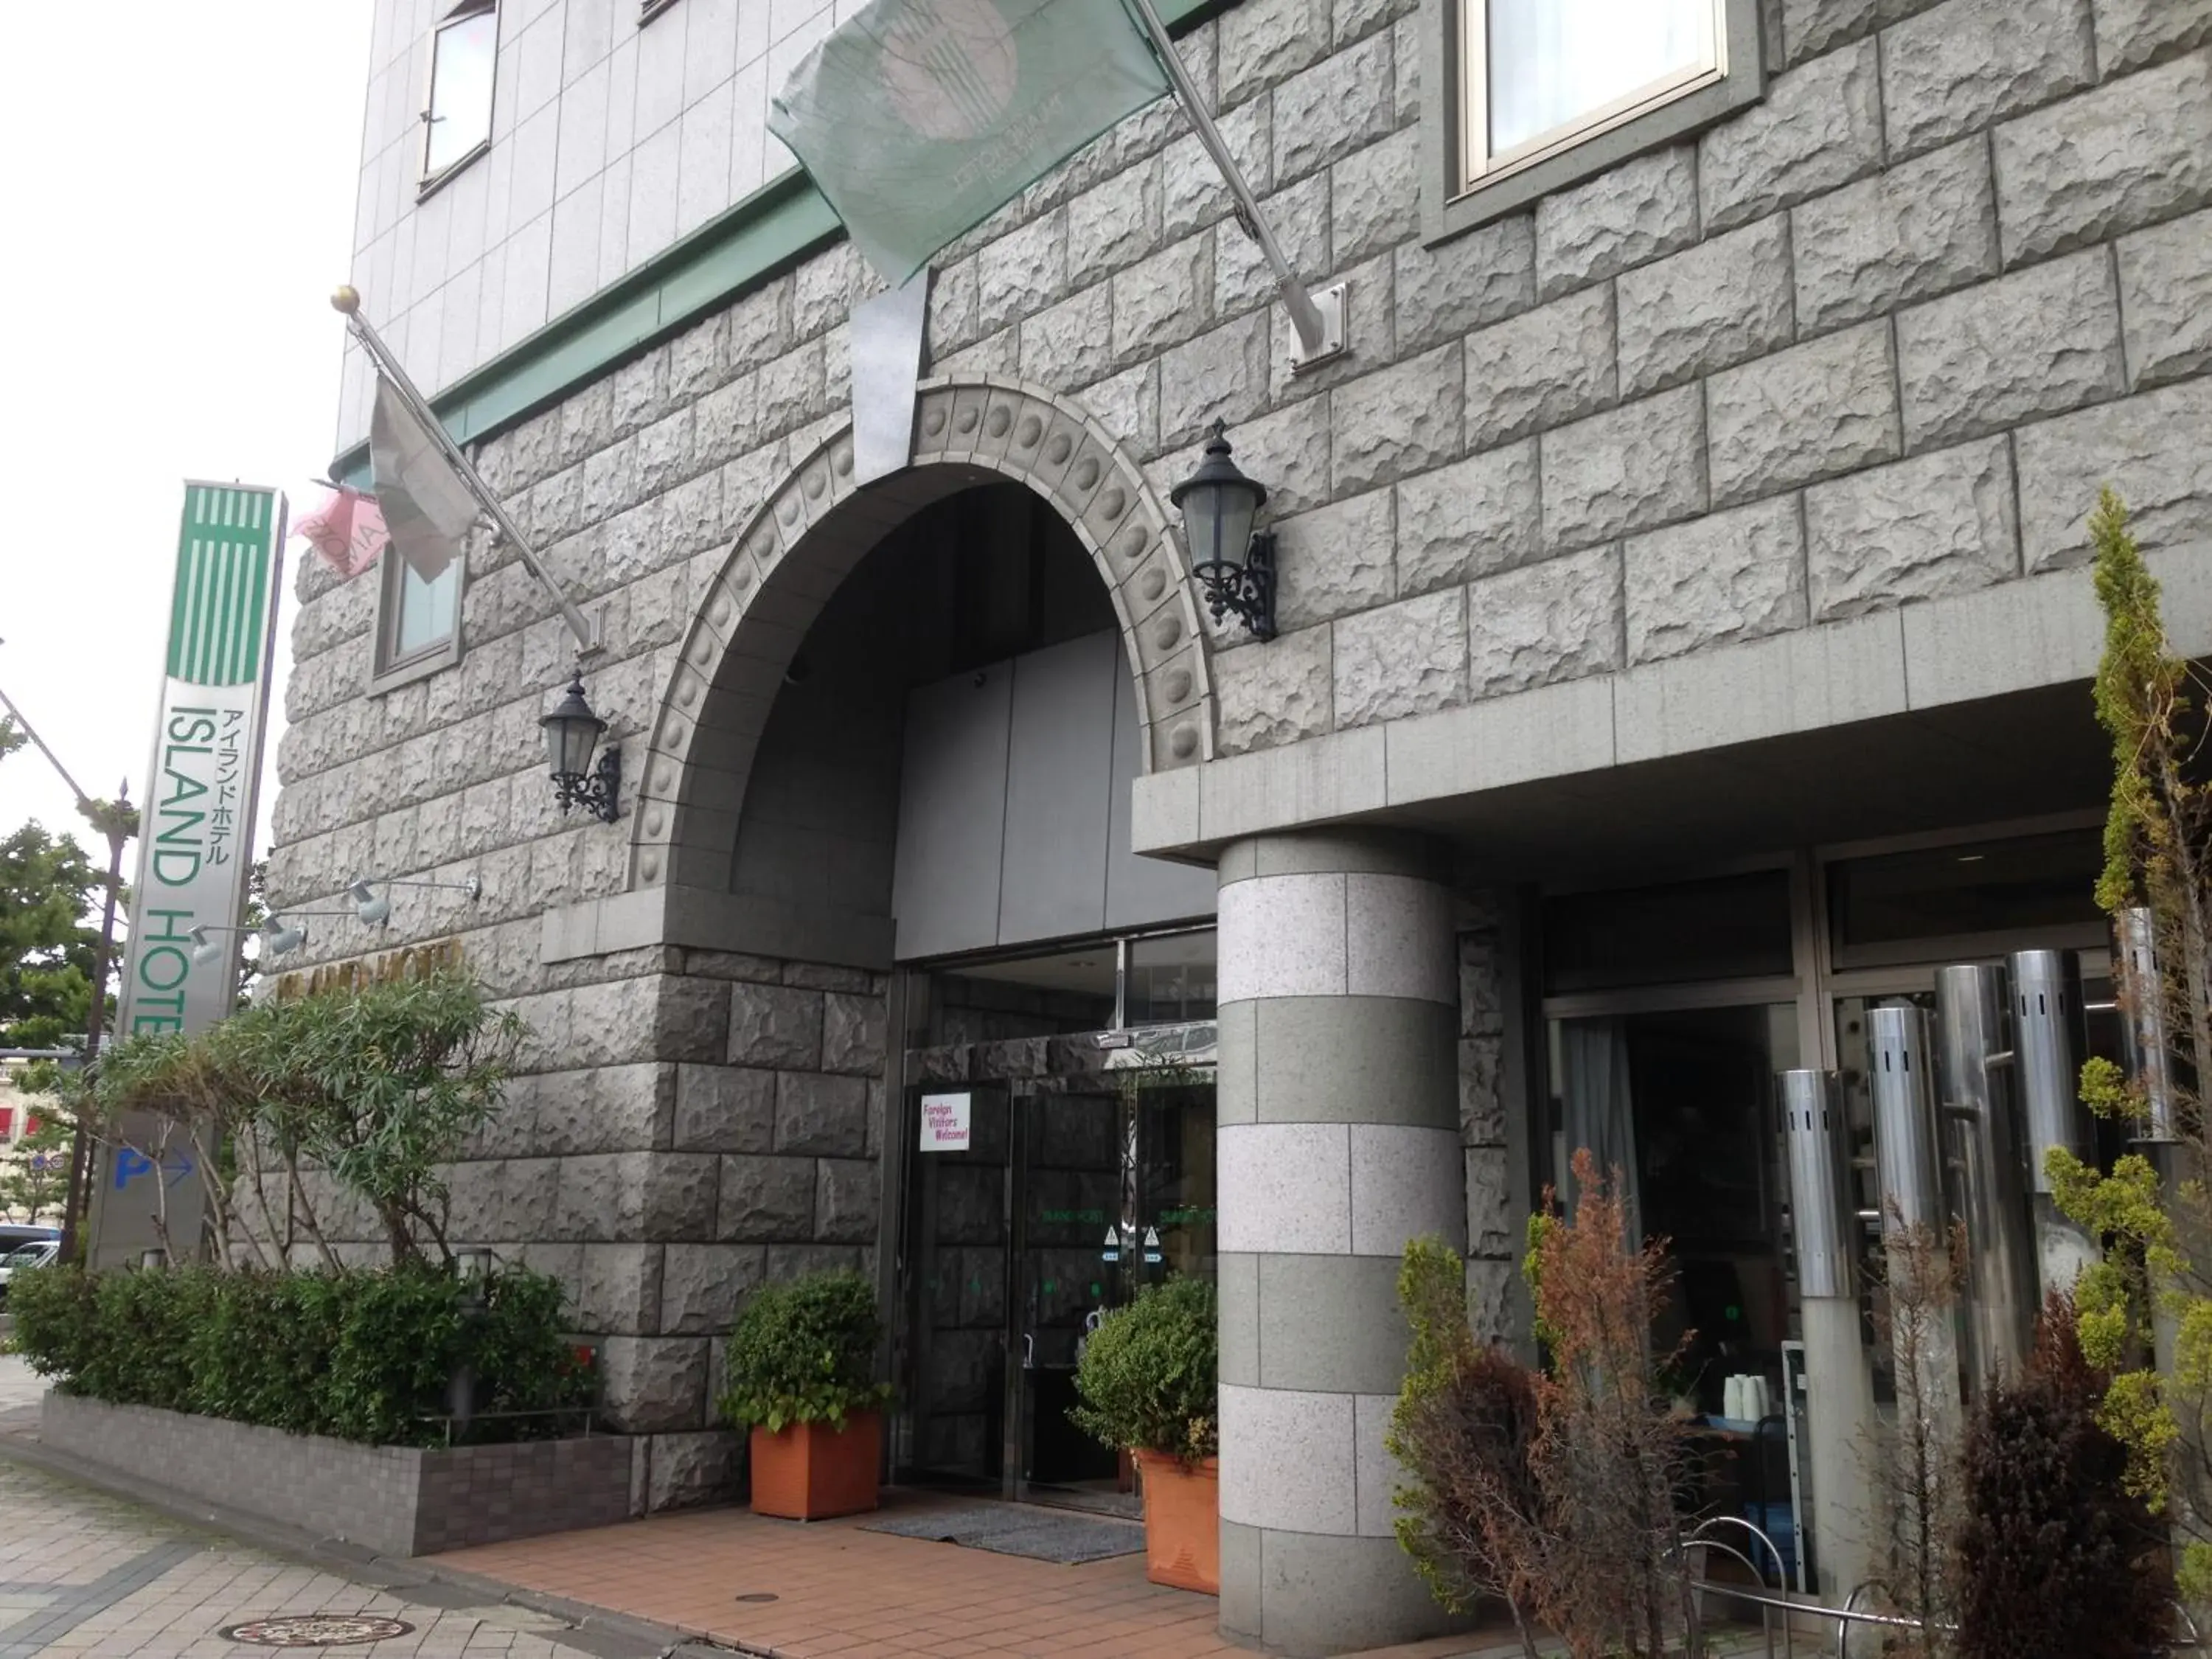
(224, 557)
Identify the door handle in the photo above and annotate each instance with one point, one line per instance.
(1029, 1351)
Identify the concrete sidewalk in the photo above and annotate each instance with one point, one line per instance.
(84, 1570)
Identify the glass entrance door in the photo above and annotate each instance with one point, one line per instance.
(1114, 1190)
(1070, 1192)
(1081, 1179)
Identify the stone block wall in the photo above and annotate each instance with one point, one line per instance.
(1497, 1205)
(1876, 339)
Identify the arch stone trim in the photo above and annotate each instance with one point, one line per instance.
(811, 531)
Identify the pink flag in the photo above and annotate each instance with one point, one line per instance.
(348, 530)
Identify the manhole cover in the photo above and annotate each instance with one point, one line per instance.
(317, 1630)
(758, 1595)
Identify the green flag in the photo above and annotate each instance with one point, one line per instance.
(919, 118)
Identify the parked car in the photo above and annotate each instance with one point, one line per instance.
(37, 1253)
(30, 1254)
(16, 1234)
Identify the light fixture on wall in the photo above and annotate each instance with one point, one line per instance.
(1234, 564)
(276, 938)
(473, 1266)
(572, 732)
(373, 908)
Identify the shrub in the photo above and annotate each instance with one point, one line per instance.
(1558, 1490)
(359, 1356)
(804, 1352)
(378, 1087)
(1148, 1374)
(1610, 1455)
(1463, 1428)
(2055, 1554)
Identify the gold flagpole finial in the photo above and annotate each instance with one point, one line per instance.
(346, 299)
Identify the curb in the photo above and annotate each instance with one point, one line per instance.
(594, 1630)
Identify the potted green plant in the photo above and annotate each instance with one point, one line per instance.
(1148, 1379)
(801, 1377)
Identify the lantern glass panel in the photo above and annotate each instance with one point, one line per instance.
(570, 743)
(1201, 522)
(1239, 508)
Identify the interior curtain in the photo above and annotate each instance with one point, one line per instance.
(1597, 1111)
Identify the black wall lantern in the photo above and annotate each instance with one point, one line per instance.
(1235, 566)
(572, 732)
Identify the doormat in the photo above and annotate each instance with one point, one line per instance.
(1041, 1534)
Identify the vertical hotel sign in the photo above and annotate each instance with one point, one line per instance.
(196, 837)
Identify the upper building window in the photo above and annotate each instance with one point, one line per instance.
(1552, 70)
(418, 627)
(1544, 94)
(463, 56)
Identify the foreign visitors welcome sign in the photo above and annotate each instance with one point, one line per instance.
(946, 1121)
(196, 836)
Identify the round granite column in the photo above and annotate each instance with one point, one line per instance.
(1339, 1140)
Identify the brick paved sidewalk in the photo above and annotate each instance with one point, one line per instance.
(830, 1591)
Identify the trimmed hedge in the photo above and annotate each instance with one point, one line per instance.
(357, 1356)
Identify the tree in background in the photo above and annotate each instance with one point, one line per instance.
(47, 953)
(36, 1182)
(250, 916)
(2145, 1310)
(49, 887)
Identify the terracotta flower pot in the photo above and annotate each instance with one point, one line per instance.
(811, 1471)
(1182, 1521)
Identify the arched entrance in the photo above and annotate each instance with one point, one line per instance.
(808, 536)
(887, 791)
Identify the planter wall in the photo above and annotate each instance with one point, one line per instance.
(395, 1500)
(811, 1472)
(1182, 1522)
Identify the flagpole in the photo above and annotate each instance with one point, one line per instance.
(347, 301)
(1320, 337)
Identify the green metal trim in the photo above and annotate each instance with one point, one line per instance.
(783, 224)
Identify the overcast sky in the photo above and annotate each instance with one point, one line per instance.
(177, 209)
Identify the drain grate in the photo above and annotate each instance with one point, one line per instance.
(318, 1630)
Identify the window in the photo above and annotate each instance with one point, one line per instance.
(1947, 903)
(418, 622)
(463, 56)
(1170, 980)
(1726, 927)
(1547, 92)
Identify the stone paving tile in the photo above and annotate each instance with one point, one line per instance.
(85, 1573)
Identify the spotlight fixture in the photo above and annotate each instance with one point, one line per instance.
(276, 939)
(372, 907)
